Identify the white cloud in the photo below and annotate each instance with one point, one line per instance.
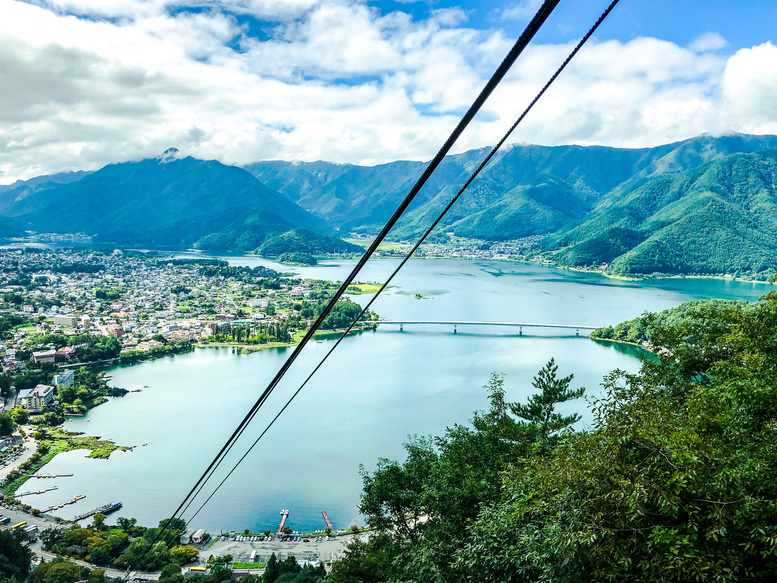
(336, 81)
(711, 41)
(749, 89)
(521, 11)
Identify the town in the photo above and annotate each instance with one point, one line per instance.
(63, 309)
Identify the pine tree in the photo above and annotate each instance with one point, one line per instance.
(541, 407)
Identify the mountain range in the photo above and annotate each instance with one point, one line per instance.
(703, 205)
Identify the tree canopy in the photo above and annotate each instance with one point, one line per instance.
(676, 481)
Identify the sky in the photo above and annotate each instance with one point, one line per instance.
(85, 83)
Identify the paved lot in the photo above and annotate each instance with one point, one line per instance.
(30, 447)
(317, 549)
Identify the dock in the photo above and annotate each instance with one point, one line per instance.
(51, 476)
(284, 516)
(58, 506)
(328, 522)
(107, 508)
(38, 492)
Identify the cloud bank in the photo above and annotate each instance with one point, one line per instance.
(90, 82)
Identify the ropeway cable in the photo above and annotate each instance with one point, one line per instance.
(528, 34)
(415, 247)
(531, 29)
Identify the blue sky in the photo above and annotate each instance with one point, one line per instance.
(742, 24)
(89, 82)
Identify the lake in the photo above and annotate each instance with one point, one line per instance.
(377, 389)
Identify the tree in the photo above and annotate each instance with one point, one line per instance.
(15, 558)
(171, 574)
(126, 524)
(541, 407)
(99, 521)
(182, 554)
(677, 481)
(287, 530)
(49, 537)
(271, 570)
(6, 424)
(19, 415)
(64, 572)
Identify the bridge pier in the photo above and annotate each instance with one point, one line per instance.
(520, 330)
(454, 328)
(401, 327)
(577, 332)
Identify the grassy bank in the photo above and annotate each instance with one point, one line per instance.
(58, 441)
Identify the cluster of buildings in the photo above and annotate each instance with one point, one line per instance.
(140, 300)
(463, 248)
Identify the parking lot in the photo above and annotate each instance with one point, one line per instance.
(318, 549)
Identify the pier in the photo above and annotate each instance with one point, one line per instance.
(326, 519)
(107, 508)
(457, 323)
(51, 476)
(284, 516)
(58, 506)
(38, 492)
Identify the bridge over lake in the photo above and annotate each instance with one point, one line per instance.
(457, 323)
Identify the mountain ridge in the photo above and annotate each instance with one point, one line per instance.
(595, 206)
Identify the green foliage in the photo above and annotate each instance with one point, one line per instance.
(342, 315)
(540, 409)
(675, 481)
(289, 571)
(19, 415)
(640, 329)
(296, 258)
(15, 558)
(302, 241)
(420, 507)
(718, 218)
(7, 424)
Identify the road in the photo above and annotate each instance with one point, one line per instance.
(43, 522)
(30, 447)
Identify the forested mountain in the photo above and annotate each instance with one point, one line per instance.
(703, 205)
(163, 201)
(526, 190)
(720, 217)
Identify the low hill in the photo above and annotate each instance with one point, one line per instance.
(304, 241)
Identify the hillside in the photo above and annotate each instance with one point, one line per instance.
(720, 217)
(704, 205)
(675, 479)
(163, 202)
(526, 190)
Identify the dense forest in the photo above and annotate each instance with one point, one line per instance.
(718, 218)
(675, 481)
(640, 330)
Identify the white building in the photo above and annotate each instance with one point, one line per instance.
(44, 356)
(38, 398)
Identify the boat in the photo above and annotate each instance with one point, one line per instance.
(108, 508)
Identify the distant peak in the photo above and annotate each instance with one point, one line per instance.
(168, 156)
